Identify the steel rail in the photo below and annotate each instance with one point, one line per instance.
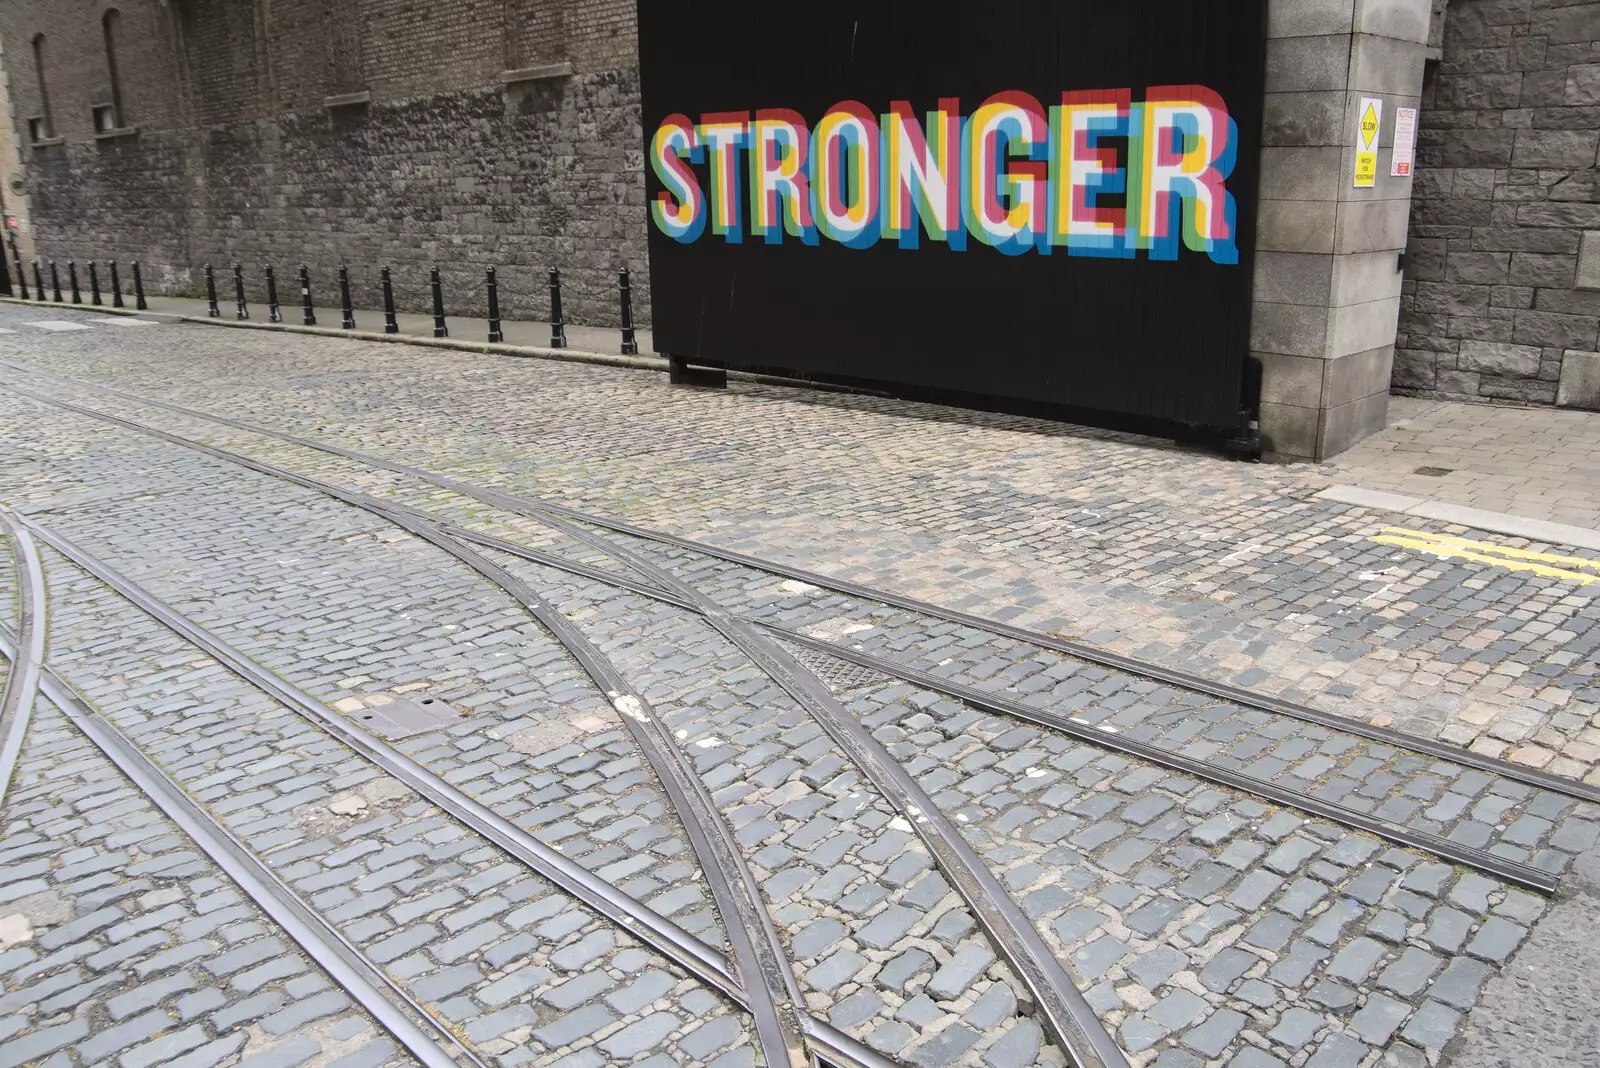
(967, 873)
(1521, 874)
(1078, 650)
(1068, 1016)
(760, 954)
(660, 933)
(22, 680)
(767, 978)
(1065, 1012)
(684, 596)
(1102, 658)
(322, 942)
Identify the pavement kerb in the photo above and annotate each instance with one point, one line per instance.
(637, 363)
(1496, 522)
(537, 352)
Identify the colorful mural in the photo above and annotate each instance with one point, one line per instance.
(1030, 205)
(1097, 174)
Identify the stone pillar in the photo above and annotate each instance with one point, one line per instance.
(1327, 287)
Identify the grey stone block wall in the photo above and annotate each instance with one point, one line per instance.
(1502, 295)
(1327, 289)
(231, 151)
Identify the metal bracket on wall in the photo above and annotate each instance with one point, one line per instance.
(1400, 260)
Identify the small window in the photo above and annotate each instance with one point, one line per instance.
(111, 25)
(41, 128)
(105, 118)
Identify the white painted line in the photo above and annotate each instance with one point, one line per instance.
(58, 324)
(123, 320)
(1497, 522)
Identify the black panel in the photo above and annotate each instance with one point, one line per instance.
(1160, 340)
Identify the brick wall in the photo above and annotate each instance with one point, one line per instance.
(1498, 303)
(236, 157)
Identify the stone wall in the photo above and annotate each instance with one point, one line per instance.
(466, 133)
(1502, 292)
(1326, 286)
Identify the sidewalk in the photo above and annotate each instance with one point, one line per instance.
(1540, 464)
(530, 332)
(1527, 472)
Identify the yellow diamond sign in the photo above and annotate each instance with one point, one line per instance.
(1366, 175)
(1369, 126)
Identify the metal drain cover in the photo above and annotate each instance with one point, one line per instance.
(839, 675)
(404, 717)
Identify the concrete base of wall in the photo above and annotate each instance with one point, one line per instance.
(1313, 408)
(1580, 380)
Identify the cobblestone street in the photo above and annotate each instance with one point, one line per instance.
(377, 704)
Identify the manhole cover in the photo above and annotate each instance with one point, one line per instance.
(405, 717)
(1434, 472)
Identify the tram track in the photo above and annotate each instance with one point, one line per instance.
(660, 584)
(21, 686)
(1084, 652)
(764, 643)
(1068, 1016)
(661, 934)
(433, 1044)
(750, 931)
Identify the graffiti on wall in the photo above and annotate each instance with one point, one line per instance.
(1097, 174)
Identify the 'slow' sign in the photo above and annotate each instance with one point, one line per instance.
(1029, 204)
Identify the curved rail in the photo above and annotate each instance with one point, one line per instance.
(1087, 653)
(1073, 1024)
(1482, 860)
(27, 658)
(1065, 1012)
(769, 990)
(656, 931)
(435, 1046)
(670, 589)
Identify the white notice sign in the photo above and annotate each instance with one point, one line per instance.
(1405, 142)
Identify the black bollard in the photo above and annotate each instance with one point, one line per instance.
(309, 317)
(349, 321)
(211, 293)
(116, 286)
(243, 310)
(94, 284)
(16, 258)
(72, 277)
(274, 313)
(630, 346)
(55, 282)
(558, 329)
(439, 328)
(494, 308)
(389, 325)
(138, 289)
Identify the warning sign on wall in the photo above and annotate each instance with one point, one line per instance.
(1405, 142)
(1367, 142)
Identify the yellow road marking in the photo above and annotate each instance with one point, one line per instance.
(1453, 552)
(1500, 550)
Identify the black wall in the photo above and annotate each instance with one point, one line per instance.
(1159, 340)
